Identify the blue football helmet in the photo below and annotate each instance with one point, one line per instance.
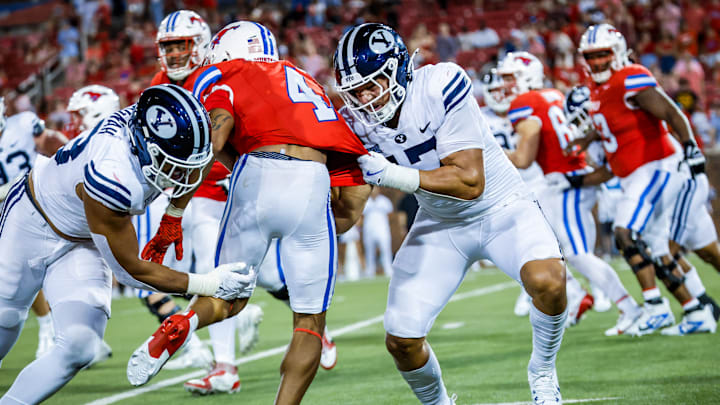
(365, 53)
(171, 138)
(577, 107)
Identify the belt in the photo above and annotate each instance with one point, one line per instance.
(30, 190)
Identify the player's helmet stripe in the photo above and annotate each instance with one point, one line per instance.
(171, 21)
(270, 41)
(349, 49)
(264, 38)
(206, 78)
(191, 104)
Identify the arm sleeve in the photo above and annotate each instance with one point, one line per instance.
(451, 96)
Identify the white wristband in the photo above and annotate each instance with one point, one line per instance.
(174, 211)
(402, 178)
(203, 284)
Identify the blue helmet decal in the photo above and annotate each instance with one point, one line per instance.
(577, 98)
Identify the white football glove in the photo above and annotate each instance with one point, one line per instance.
(378, 171)
(237, 281)
(228, 282)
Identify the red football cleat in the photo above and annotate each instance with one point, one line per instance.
(328, 356)
(171, 336)
(223, 378)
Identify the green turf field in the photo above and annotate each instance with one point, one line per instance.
(482, 346)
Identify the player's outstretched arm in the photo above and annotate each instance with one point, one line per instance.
(222, 126)
(348, 204)
(524, 155)
(657, 103)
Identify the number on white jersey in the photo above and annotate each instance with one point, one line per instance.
(300, 92)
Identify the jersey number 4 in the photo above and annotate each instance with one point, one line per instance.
(299, 92)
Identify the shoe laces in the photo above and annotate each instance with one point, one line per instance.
(544, 387)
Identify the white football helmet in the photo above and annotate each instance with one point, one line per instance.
(90, 105)
(243, 40)
(3, 120)
(188, 26)
(494, 92)
(603, 37)
(526, 69)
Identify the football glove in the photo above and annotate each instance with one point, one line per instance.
(169, 232)
(378, 171)
(693, 158)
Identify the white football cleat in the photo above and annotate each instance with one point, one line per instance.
(328, 356)
(544, 387)
(171, 336)
(654, 317)
(522, 304)
(223, 378)
(102, 353)
(625, 322)
(248, 321)
(698, 321)
(46, 340)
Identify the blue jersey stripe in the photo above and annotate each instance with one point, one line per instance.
(206, 78)
(679, 211)
(637, 76)
(112, 182)
(105, 193)
(578, 218)
(458, 100)
(654, 202)
(637, 86)
(13, 196)
(450, 97)
(103, 199)
(566, 221)
(331, 266)
(452, 82)
(642, 199)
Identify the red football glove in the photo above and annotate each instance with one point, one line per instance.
(170, 231)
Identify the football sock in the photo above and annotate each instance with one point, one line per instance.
(652, 295)
(693, 283)
(547, 335)
(79, 330)
(426, 382)
(44, 321)
(600, 274)
(222, 339)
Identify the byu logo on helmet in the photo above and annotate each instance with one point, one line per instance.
(381, 41)
(161, 122)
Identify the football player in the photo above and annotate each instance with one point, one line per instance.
(538, 116)
(68, 224)
(427, 136)
(628, 109)
(495, 114)
(276, 127)
(695, 232)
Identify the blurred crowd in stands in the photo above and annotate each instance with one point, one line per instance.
(112, 42)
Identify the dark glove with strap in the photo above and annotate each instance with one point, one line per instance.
(693, 158)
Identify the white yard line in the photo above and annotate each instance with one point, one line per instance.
(565, 401)
(281, 349)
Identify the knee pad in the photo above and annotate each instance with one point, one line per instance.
(665, 273)
(637, 246)
(12, 317)
(155, 308)
(79, 343)
(281, 294)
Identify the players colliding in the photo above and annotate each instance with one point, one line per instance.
(67, 227)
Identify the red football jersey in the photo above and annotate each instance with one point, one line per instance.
(546, 106)
(631, 136)
(277, 103)
(209, 187)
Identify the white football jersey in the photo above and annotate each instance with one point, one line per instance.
(507, 138)
(100, 159)
(439, 117)
(17, 145)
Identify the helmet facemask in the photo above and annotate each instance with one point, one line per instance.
(164, 171)
(369, 113)
(604, 61)
(190, 52)
(494, 93)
